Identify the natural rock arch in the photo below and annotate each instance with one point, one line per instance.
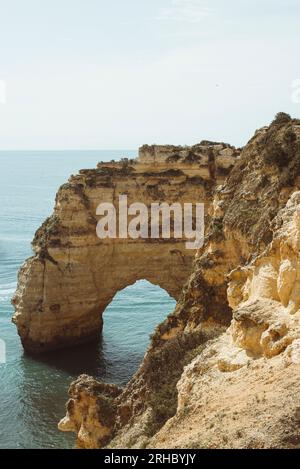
(129, 322)
(73, 276)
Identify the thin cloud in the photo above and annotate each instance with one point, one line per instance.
(184, 11)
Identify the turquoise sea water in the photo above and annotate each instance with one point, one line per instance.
(33, 392)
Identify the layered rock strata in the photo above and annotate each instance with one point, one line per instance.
(73, 275)
(223, 369)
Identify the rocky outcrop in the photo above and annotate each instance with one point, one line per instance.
(90, 412)
(255, 364)
(222, 155)
(223, 369)
(65, 287)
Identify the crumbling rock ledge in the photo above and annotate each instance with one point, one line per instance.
(90, 412)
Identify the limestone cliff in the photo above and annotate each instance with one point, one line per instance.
(65, 287)
(242, 391)
(223, 369)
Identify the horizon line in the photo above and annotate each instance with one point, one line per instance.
(66, 149)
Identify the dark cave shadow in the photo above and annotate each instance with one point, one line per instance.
(82, 359)
(93, 359)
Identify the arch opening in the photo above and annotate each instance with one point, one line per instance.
(129, 320)
(117, 351)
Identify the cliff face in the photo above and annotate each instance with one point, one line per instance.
(242, 391)
(223, 369)
(223, 153)
(65, 287)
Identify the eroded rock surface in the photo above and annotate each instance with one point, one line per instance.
(90, 412)
(223, 369)
(65, 287)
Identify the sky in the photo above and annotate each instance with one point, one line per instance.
(115, 74)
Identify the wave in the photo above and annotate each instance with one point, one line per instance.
(7, 290)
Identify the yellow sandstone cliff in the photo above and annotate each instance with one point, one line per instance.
(223, 370)
(65, 287)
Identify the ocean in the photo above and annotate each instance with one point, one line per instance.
(34, 391)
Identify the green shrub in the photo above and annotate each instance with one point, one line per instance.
(173, 158)
(282, 118)
(274, 154)
(163, 370)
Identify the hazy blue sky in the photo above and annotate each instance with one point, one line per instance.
(119, 73)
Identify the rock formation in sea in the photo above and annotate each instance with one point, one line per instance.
(222, 371)
(72, 277)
